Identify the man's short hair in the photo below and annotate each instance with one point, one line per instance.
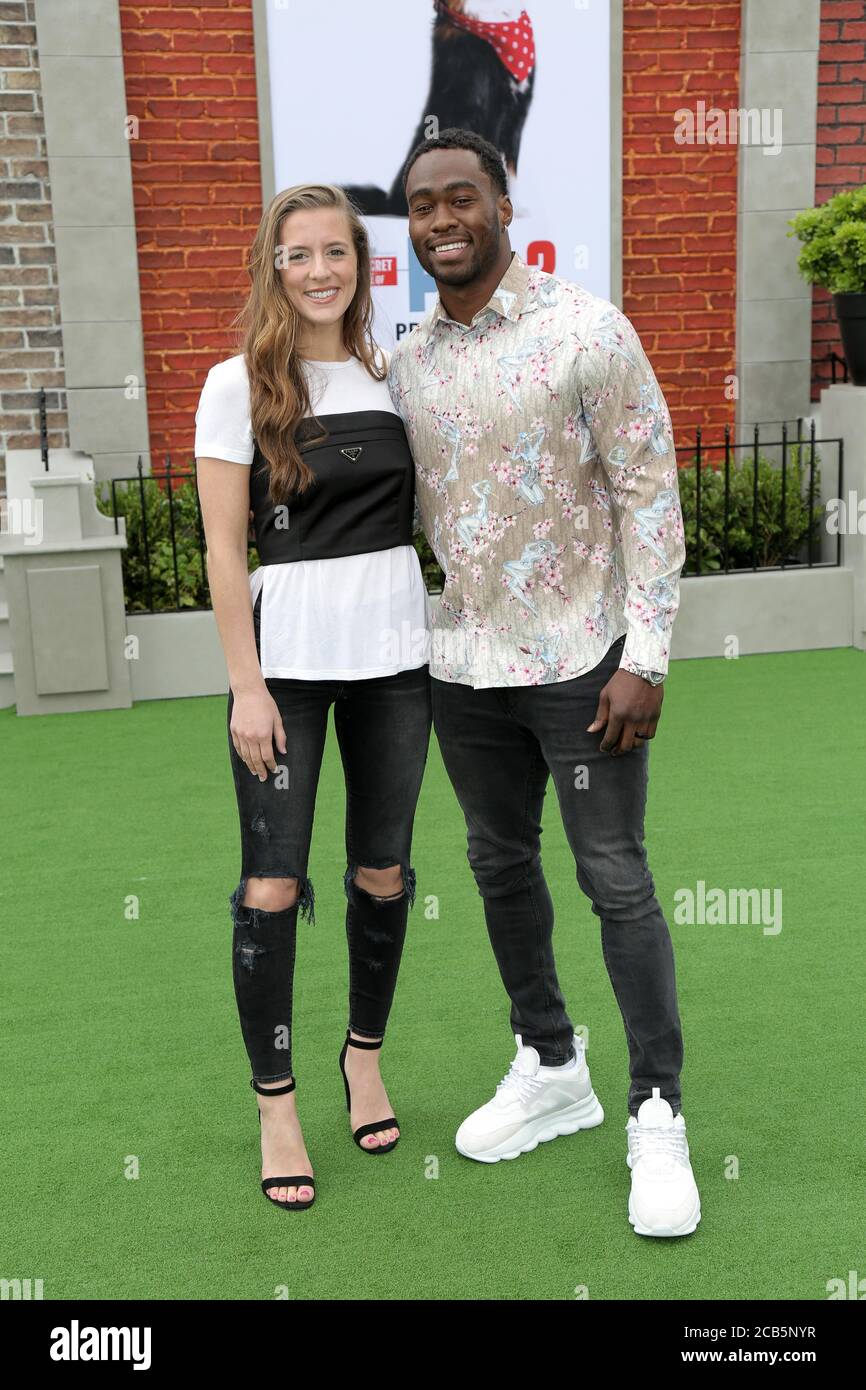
(489, 157)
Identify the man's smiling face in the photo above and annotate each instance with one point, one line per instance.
(456, 216)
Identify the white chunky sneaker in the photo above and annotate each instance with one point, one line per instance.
(664, 1197)
(532, 1104)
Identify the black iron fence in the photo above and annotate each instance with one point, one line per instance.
(164, 563)
(757, 505)
(747, 507)
(833, 358)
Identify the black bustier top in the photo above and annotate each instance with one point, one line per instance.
(362, 498)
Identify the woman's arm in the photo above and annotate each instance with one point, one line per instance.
(224, 493)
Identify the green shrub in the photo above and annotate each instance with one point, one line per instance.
(434, 576)
(775, 544)
(834, 242)
(191, 590)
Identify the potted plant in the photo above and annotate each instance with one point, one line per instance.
(833, 255)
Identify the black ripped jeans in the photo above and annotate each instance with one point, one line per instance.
(383, 731)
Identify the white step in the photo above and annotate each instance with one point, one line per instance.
(7, 691)
(7, 681)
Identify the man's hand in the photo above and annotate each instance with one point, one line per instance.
(631, 708)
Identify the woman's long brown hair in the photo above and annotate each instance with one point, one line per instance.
(270, 328)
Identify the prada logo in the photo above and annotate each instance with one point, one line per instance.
(353, 453)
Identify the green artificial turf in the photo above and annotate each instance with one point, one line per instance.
(122, 1046)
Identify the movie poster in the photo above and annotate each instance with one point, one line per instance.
(354, 86)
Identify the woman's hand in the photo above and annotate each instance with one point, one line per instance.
(255, 728)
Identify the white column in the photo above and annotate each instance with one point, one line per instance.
(843, 415)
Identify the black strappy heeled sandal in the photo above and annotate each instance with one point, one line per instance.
(304, 1179)
(363, 1130)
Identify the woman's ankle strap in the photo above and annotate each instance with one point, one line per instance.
(369, 1044)
(272, 1090)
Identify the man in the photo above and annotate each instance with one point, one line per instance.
(547, 486)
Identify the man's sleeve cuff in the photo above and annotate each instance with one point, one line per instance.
(647, 657)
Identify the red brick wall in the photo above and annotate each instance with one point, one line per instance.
(190, 78)
(30, 338)
(841, 157)
(680, 203)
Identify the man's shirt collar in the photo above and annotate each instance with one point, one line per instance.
(508, 300)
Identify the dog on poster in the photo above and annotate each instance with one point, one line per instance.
(482, 79)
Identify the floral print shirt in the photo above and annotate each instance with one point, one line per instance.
(546, 484)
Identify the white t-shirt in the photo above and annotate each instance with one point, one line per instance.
(348, 618)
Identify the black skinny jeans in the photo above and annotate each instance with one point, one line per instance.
(383, 731)
(500, 747)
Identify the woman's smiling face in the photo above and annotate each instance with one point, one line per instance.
(318, 264)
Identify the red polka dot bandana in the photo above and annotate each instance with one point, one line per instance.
(512, 39)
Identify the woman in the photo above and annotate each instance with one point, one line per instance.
(300, 427)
